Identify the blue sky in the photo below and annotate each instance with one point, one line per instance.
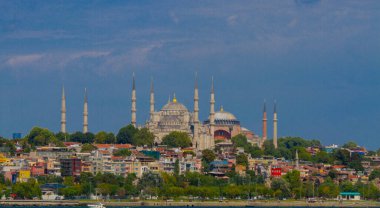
(319, 59)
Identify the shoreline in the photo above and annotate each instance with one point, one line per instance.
(193, 204)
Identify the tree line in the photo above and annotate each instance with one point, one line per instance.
(190, 185)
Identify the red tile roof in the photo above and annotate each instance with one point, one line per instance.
(117, 146)
(70, 143)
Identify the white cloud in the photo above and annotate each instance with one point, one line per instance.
(135, 57)
(99, 61)
(22, 60)
(90, 54)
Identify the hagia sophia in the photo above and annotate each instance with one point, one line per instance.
(218, 128)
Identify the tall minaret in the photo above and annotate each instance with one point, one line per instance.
(196, 100)
(275, 125)
(85, 113)
(151, 100)
(264, 123)
(63, 111)
(212, 108)
(196, 142)
(133, 107)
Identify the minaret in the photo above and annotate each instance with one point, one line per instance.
(297, 160)
(275, 125)
(151, 100)
(63, 111)
(212, 108)
(196, 100)
(264, 123)
(196, 142)
(133, 107)
(85, 113)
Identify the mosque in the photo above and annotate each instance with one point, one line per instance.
(219, 127)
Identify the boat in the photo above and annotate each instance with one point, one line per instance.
(98, 205)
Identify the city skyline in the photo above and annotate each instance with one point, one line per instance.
(318, 59)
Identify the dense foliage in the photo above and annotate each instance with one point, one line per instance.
(177, 139)
(122, 152)
(191, 184)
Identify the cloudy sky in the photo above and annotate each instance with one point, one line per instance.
(319, 59)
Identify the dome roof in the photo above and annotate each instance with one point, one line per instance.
(174, 106)
(223, 115)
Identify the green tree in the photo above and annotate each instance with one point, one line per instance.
(125, 134)
(177, 139)
(41, 136)
(88, 148)
(122, 152)
(294, 180)
(280, 187)
(208, 155)
(100, 137)
(49, 179)
(103, 137)
(87, 183)
(347, 186)
(242, 159)
(269, 147)
(27, 190)
(232, 191)
(302, 153)
(149, 180)
(71, 191)
(328, 189)
(240, 141)
(8, 145)
(371, 153)
(356, 162)
(130, 188)
(82, 138)
(342, 155)
(176, 168)
(374, 174)
(2, 178)
(368, 191)
(143, 137)
(68, 181)
(323, 157)
(333, 174)
(290, 142)
(350, 145)
(107, 189)
(256, 152)
(62, 136)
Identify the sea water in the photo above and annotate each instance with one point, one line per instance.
(165, 206)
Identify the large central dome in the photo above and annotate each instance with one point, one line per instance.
(223, 115)
(224, 118)
(174, 106)
(174, 116)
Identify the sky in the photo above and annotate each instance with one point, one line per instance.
(320, 60)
